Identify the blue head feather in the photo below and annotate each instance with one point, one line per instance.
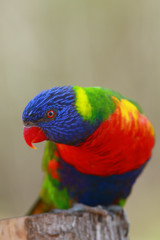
(68, 127)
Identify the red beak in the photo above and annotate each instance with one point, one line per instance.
(33, 135)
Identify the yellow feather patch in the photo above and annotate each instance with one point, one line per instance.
(127, 109)
(82, 104)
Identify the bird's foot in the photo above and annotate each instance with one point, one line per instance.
(78, 207)
(111, 211)
(116, 209)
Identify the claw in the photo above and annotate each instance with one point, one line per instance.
(116, 209)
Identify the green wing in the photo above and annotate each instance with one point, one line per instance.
(52, 192)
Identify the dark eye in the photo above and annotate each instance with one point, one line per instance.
(50, 114)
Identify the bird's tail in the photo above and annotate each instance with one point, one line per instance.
(38, 207)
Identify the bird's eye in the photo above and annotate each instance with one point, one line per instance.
(50, 114)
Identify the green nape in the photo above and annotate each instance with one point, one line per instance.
(95, 103)
(120, 96)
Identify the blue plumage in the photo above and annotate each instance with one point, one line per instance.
(96, 190)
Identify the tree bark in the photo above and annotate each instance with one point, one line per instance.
(89, 224)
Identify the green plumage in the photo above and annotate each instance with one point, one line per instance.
(99, 101)
(51, 195)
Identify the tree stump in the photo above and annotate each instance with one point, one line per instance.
(88, 224)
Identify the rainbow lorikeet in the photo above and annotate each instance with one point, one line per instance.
(98, 144)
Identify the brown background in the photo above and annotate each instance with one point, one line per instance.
(114, 44)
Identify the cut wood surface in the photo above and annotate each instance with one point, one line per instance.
(67, 225)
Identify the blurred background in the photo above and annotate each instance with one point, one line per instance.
(113, 44)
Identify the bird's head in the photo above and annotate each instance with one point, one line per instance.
(53, 115)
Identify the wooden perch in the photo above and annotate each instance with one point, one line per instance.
(88, 224)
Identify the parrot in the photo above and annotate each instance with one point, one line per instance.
(97, 143)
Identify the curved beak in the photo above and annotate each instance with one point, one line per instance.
(33, 135)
